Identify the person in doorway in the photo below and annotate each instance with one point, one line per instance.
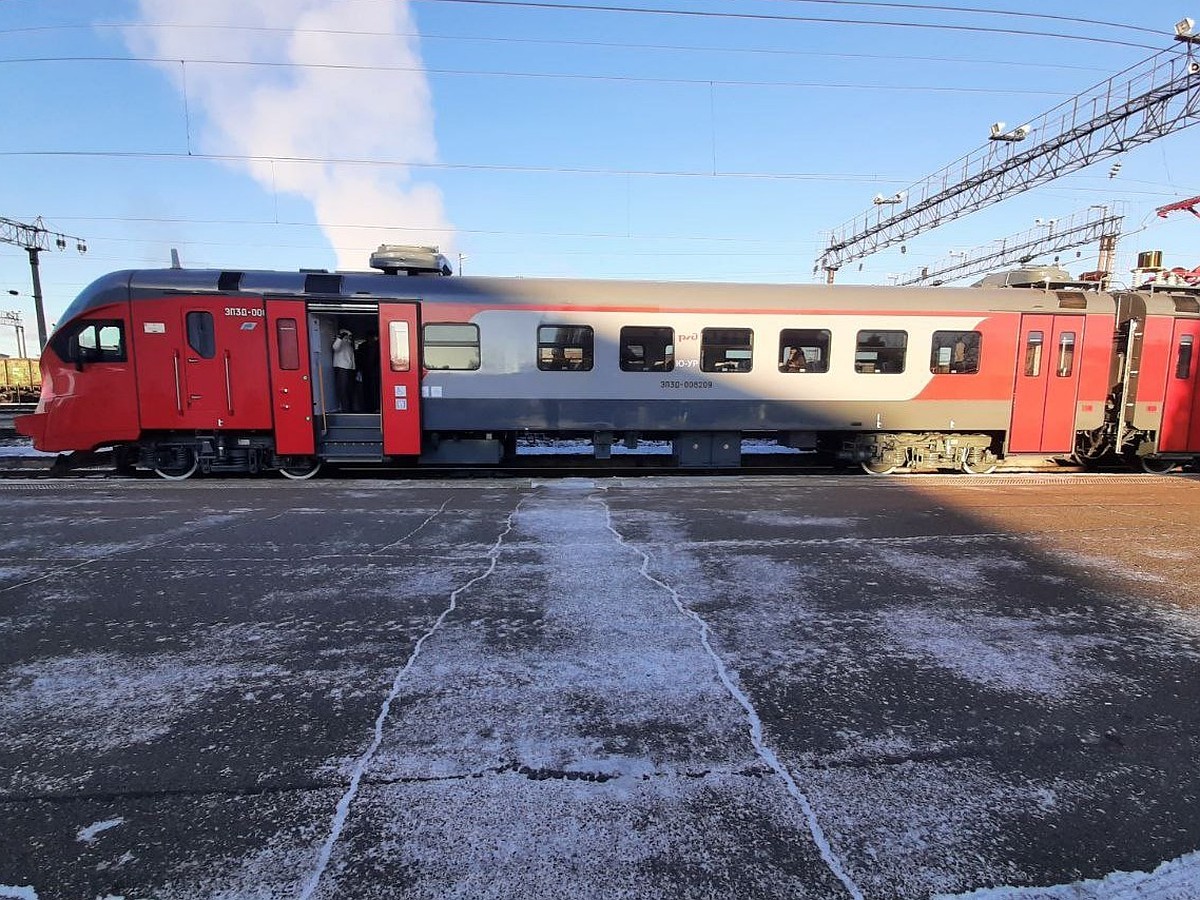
(367, 358)
(343, 370)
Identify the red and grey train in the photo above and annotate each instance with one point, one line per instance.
(184, 371)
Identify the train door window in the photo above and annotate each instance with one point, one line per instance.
(1066, 354)
(1033, 354)
(95, 341)
(880, 352)
(955, 352)
(647, 349)
(1183, 365)
(201, 335)
(452, 346)
(726, 350)
(803, 350)
(288, 340)
(565, 348)
(398, 347)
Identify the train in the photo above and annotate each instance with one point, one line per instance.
(20, 379)
(184, 371)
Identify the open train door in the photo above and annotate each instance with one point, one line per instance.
(400, 379)
(291, 383)
(1181, 411)
(1047, 385)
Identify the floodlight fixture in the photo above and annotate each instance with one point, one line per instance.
(1184, 28)
(1017, 134)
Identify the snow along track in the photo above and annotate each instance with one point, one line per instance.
(342, 811)
(756, 727)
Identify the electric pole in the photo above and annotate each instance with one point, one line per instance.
(33, 239)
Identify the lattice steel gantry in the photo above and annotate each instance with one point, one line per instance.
(1149, 100)
(34, 239)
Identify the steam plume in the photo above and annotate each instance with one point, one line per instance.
(304, 111)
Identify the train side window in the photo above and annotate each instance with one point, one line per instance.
(955, 352)
(398, 359)
(803, 350)
(289, 344)
(880, 352)
(201, 336)
(1066, 354)
(565, 348)
(94, 341)
(726, 350)
(452, 346)
(647, 349)
(1183, 365)
(1033, 354)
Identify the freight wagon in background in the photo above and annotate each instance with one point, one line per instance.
(20, 380)
(184, 371)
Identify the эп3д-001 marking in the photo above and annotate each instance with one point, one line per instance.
(182, 370)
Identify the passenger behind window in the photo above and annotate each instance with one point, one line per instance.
(795, 361)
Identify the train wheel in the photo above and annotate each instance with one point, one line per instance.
(879, 466)
(985, 465)
(1156, 465)
(301, 470)
(184, 463)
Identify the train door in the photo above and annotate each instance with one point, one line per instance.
(400, 378)
(1047, 384)
(291, 383)
(202, 371)
(1181, 411)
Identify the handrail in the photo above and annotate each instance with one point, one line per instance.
(228, 385)
(178, 390)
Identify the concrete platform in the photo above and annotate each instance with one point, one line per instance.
(742, 687)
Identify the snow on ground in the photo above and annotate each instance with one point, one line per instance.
(571, 692)
(1178, 879)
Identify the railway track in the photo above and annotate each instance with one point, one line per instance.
(8, 412)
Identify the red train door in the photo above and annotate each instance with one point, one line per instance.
(291, 383)
(400, 379)
(1047, 383)
(204, 382)
(1181, 410)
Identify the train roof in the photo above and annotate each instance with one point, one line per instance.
(366, 287)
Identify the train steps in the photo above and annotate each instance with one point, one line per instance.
(351, 437)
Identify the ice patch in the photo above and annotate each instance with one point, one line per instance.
(1177, 879)
(999, 652)
(13, 892)
(88, 834)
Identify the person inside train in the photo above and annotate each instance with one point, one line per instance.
(795, 361)
(343, 370)
(366, 358)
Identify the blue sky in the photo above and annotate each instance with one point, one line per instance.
(543, 142)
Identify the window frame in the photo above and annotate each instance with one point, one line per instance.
(877, 364)
(287, 343)
(1064, 362)
(586, 347)
(203, 334)
(1186, 353)
(67, 345)
(738, 365)
(1032, 366)
(625, 358)
(794, 339)
(449, 345)
(972, 352)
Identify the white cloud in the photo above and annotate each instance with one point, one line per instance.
(307, 108)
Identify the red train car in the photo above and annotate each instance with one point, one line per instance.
(182, 371)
